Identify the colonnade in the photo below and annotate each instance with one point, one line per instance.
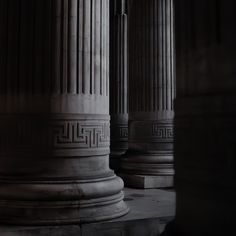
(55, 92)
(57, 98)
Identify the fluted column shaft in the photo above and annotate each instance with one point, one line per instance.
(151, 94)
(205, 121)
(54, 113)
(118, 83)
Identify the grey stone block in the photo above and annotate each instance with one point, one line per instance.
(147, 181)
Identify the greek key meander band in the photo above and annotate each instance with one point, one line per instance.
(156, 131)
(72, 132)
(119, 132)
(162, 132)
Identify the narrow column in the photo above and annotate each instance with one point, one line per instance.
(54, 113)
(118, 85)
(149, 160)
(205, 123)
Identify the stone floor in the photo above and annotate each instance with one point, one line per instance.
(150, 210)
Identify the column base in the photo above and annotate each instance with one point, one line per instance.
(146, 182)
(146, 217)
(62, 203)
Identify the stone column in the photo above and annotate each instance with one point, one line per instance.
(205, 123)
(149, 161)
(54, 113)
(118, 85)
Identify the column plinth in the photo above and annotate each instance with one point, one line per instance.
(54, 114)
(149, 160)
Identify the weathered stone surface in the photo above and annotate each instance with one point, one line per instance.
(151, 94)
